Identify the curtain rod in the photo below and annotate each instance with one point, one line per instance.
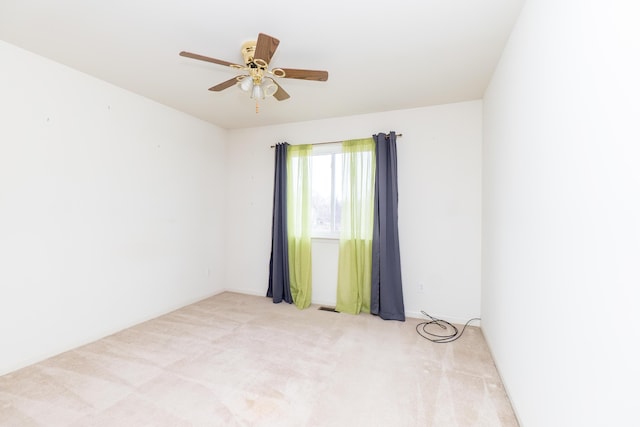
(338, 142)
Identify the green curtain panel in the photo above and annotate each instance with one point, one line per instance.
(299, 222)
(354, 259)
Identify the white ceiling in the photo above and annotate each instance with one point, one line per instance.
(381, 56)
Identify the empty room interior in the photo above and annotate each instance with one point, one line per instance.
(137, 196)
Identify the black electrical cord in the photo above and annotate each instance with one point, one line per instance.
(421, 328)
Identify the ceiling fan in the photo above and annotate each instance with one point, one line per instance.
(255, 75)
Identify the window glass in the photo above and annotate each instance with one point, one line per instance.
(326, 191)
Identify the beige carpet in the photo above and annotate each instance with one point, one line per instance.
(238, 360)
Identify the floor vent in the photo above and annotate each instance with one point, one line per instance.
(328, 309)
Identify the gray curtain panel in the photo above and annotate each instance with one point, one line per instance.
(279, 284)
(386, 278)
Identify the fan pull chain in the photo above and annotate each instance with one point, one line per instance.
(257, 107)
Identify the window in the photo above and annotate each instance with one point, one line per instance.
(326, 190)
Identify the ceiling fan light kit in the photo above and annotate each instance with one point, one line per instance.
(257, 78)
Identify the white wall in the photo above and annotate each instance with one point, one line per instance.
(561, 213)
(110, 208)
(439, 158)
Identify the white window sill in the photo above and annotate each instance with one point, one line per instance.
(328, 237)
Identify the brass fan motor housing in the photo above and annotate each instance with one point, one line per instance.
(248, 51)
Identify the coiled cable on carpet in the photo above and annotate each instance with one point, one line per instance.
(446, 337)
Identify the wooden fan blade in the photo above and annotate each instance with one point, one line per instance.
(208, 59)
(293, 73)
(280, 94)
(265, 47)
(224, 85)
